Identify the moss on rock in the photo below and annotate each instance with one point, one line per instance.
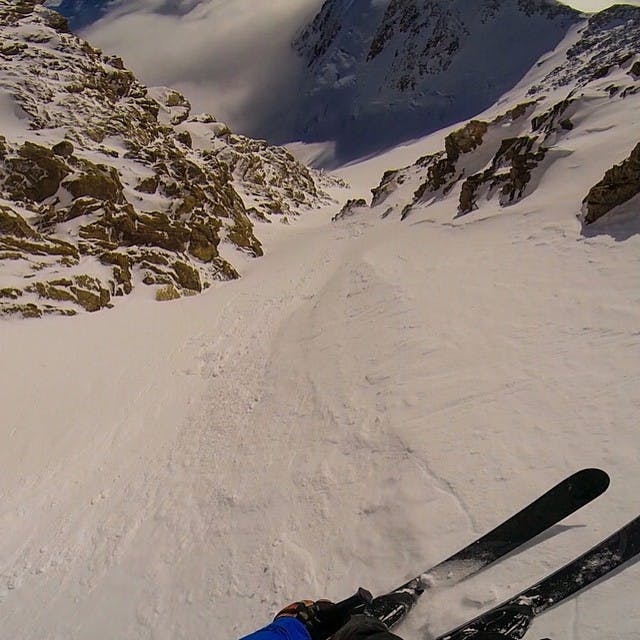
(166, 293)
(13, 224)
(187, 276)
(35, 174)
(241, 234)
(99, 182)
(148, 185)
(465, 139)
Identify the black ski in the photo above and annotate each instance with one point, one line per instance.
(550, 508)
(512, 618)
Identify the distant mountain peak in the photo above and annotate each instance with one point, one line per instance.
(383, 72)
(81, 13)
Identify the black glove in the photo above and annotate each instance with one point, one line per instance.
(322, 618)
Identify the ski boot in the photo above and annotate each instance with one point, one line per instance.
(391, 608)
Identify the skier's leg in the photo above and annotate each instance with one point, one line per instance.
(364, 628)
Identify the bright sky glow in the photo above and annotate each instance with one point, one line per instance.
(596, 5)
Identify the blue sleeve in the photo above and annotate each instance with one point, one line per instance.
(281, 629)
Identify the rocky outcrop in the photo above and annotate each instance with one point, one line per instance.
(466, 151)
(111, 186)
(501, 161)
(608, 41)
(510, 173)
(618, 186)
(350, 208)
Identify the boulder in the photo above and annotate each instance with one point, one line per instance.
(35, 174)
(619, 185)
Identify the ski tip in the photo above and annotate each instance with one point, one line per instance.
(597, 479)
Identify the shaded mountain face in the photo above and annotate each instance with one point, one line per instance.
(382, 72)
(565, 138)
(106, 185)
(81, 13)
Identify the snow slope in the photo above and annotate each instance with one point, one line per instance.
(546, 143)
(367, 398)
(370, 396)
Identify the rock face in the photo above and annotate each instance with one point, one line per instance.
(380, 72)
(619, 185)
(489, 164)
(350, 207)
(105, 185)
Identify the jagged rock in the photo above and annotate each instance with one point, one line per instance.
(466, 139)
(12, 49)
(510, 171)
(387, 185)
(350, 207)
(482, 159)
(441, 168)
(12, 224)
(123, 225)
(90, 293)
(99, 182)
(17, 236)
(82, 290)
(524, 155)
(56, 21)
(29, 310)
(547, 121)
(271, 184)
(35, 174)
(175, 99)
(184, 137)
(148, 185)
(122, 264)
(63, 149)
(204, 241)
(469, 193)
(440, 174)
(187, 276)
(619, 185)
(241, 234)
(11, 293)
(608, 41)
(566, 124)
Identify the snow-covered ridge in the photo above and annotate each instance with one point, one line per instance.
(577, 109)
(105, 185)
(379, 73)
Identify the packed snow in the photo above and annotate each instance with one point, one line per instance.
(366, 399)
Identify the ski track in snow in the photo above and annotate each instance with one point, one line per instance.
(367, 399)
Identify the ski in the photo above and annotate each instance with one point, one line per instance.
(512, 618)
(550, 508)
